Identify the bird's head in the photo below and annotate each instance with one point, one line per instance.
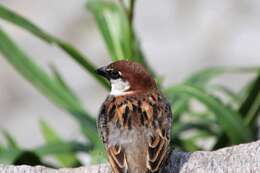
(127, 77)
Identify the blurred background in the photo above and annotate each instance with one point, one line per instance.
(178, 37)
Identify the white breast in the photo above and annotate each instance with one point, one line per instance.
(119, 87)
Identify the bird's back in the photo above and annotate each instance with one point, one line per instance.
(136, 131)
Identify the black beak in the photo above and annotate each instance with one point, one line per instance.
(102, 72)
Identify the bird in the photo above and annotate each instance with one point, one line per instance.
(135, 120)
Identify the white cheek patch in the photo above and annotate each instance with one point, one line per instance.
(119, 87)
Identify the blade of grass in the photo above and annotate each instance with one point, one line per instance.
(180, 103)
(201, 79)
(55, 92)
(11, 143)
(230, 94)
(202, 125)
(205, 75)
(228, 119)
(129, 6)
(8, 155)
(76, 55)
(249, 110)
(82, 60)
(66, 159)
(180, 106)
(52, 148)
(190, 145)
(252, 115)
(115, 24)
(60, 80)
(114, 27)
(251, 101)
(28, 158)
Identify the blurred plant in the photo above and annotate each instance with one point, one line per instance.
(228, 120)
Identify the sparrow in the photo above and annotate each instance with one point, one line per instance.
(135, 120)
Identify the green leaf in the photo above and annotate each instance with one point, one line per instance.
(45, 84)
(8, 155)
(206, 126)
(115, 24)
(201, 79)
(14, 156)
(57, 147)
(11, 143)
(98, 155)
(228, 119)
(114, 27)
(66, 159)
(230, 94)
(189, 145)
(249, 110)
(205, 75)
(82, 60)
(28, 158)
(180, 102)
(76, 55)
(250, 107)
(60, 81)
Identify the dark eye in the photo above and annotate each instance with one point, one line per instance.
(115, 74)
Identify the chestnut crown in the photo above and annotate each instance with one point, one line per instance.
(127, 76)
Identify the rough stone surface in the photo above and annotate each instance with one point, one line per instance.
(244, 158)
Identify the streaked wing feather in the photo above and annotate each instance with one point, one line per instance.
(157, 152)
(117, 159)
(159, 141)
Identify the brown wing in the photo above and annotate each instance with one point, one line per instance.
(115, 153)
(117, 159)
(158, 142)
(157, 151)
